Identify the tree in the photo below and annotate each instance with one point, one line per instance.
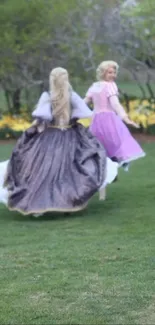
(28, 27)
(40, 34)
(127, 34)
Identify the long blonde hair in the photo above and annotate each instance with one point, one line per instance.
(60, 91)
(102, 68)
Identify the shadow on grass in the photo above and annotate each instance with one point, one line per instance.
(95, 209)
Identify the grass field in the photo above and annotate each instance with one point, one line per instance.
(130, 88)
(93, 267)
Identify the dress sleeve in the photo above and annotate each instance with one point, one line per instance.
(79, 107)
(111, 89)
(43, 108)
(117, 107)
(89, 93)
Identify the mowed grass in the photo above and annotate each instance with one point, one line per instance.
(127, 87)
(93, 267)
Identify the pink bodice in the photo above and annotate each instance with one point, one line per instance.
(99, 93)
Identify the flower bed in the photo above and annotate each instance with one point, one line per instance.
(11, 127)
(141, 112)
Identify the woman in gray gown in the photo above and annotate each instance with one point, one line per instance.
(56, 165)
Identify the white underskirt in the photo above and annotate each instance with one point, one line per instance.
(128, 161)
(111, 173)
(3, 191)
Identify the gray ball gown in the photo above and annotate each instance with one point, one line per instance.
(55, 169)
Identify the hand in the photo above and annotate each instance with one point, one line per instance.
(129, 122)
(135, 125)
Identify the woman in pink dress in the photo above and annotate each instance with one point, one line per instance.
(109, 117)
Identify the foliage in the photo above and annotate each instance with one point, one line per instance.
(141, 112)
(38, 36)
(129, 38)
(12, 127)
(75, 34)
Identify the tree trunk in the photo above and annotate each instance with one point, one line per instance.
(16, 101)
(126, 99)
(7, 97)
(135, 76)
(151, 93)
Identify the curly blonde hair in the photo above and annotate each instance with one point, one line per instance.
(60, 92)
(102, 68)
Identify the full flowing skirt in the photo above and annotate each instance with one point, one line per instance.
(55, 170)
(116, 138)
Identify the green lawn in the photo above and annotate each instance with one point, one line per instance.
(130, 88)
(94, 267)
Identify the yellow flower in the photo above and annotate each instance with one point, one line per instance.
(151, 119)
(85, 122)
(14, 123)
(143, 120)
(139, 118)
(140, 105)
(145, 102)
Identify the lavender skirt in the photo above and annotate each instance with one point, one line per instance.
(116, 138)
(55, 170)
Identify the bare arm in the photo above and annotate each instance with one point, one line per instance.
(118, 108)
(35, 122)
(87, 100)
